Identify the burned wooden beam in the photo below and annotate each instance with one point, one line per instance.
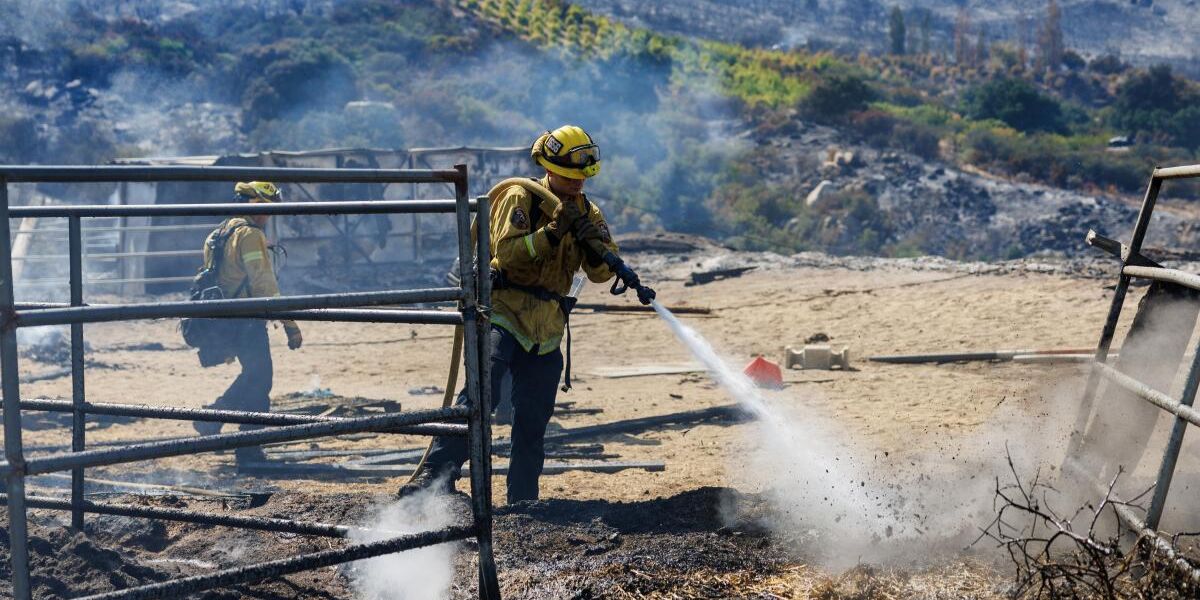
(1118, 250)
(726, 412)
(717, 275)
(284, 469)
(566, 452)
(991, 355)
(55, 374)
(646, 370)
(143, 487)
(593, 451)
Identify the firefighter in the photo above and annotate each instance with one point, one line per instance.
(535, 255)
(246, 272)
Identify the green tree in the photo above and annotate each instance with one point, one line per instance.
(897, 36)
(1073, 61)
(962, 41)
(1050, 39)
(1159, 104)
(1107, 64)
(926, 28)
(21, 140)
(1016, 103)
(837, 95)
(296, 77)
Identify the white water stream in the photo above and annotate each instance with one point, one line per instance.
(811, 475)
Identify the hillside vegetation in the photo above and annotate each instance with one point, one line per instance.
(672, 112)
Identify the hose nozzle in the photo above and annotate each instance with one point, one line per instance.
(646, 295)
(627, 278)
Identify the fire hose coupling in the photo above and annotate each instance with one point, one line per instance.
(627, 278)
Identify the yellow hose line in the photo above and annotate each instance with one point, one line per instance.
(448, 397)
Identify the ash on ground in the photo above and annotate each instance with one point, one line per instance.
(705, 543)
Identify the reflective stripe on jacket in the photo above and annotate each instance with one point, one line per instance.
(246, 269)
(246, 262)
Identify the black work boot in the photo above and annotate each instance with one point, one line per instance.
(441, 482)
(247, 456)
(504, 412)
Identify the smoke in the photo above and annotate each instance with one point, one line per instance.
(176, 117)
(48, 340)
(421, 574)
(862, 504)
(33, 22)
(665, 145)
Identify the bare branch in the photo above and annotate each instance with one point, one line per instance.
(1053, 558)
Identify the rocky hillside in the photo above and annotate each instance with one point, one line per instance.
(938, 208)
(784, 151)
(1140, 31)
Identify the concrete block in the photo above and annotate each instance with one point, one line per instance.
(817, 357)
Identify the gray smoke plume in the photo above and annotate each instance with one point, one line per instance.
(421, 574)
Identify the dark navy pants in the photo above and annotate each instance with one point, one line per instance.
(252, 389)
(530, 381)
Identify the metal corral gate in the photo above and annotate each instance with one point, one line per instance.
(137, 255)
(1133, 264)
(473, 296)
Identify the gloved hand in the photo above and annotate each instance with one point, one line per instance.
(295, 339)
(585, 230)
(628, 277)
(563, 217)
(572, 208)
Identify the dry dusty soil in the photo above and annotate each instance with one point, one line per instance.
(697, 528)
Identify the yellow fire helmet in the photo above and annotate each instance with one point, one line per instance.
(258, 191)
(568, 151)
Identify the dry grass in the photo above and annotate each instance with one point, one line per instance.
(962, 580)
(958, 581)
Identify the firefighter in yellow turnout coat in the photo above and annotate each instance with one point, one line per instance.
(246, 272)
(534, 254)
(536, 251)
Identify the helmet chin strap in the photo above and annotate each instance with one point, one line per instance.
(551, 177)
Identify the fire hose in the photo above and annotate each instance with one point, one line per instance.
(448, 396)
(626, 278)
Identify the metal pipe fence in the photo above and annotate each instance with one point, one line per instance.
(239, 417)
(189, 516)
(472, 297)
(286, 566)
(241, 307)
(1133, 264)
(121, 263)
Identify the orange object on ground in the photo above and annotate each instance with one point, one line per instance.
(764, 373)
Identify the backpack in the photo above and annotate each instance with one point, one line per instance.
(215, 339)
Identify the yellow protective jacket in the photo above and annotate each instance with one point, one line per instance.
(246, 270)
(525, 254)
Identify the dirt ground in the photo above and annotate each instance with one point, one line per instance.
(625, 534)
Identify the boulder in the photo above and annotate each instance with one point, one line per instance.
(819, 194)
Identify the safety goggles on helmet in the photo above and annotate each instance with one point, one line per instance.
(256, 198)
(577, 157)
(258, 191)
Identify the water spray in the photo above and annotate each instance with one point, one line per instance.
(861, 507)
(813, 479)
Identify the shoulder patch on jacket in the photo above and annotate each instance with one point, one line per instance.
(604, 232)
(519, 219)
